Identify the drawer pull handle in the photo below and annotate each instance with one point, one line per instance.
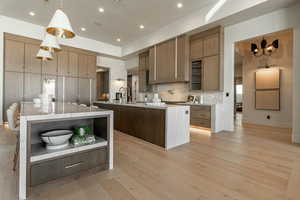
(73, 165)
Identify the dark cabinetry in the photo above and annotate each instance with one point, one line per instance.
(144, 123)
(201, 116)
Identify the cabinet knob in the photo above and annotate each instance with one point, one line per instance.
(186, 112)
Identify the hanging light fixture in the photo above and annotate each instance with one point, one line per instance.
(50, 43)
(60, 25)
(44, 55)
(265, 48)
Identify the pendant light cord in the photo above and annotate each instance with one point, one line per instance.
(61, 4)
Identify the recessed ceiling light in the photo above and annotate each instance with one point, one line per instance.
(179, 5)
(142, 26)
(118, 39)
(83, 29)
(31, 13)
(101, 10)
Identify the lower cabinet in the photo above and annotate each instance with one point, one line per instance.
(144, 123)
(50, 170)
(201, 116)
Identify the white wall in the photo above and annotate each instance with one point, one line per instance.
(26, 29)
(132, 62)
(276, 21)
(117, 71)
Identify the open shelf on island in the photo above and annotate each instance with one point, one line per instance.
(40, 153)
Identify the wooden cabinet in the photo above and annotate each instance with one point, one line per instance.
(143, 72)
(211, 73)
(144, 123)
(200, 116)
(13, 89)
(165, 62)
(63, 63)
(152, 65)
(91, 63)
(82, 65)
(84, 91)
(50, 66)
(69, 165)
(73, 69)
(32, 64)
(206, 50)
(14, 56)
(182, 66)
(168, 61)
(71, 94)
(211, 45)
(32, 86)
(196, 48)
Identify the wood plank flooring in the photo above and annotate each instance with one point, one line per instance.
(251, 163)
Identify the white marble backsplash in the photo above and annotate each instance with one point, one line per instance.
(180, 92)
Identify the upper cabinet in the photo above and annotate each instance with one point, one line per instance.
(63, 63)
(168, 61)
(196, 47)
(32, 64)
(206, 54)
(50, 66)
(73, 64)
(82, 65)
(91, 64)
(143, 72)
(14, 55)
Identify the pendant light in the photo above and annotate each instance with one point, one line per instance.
(60, 25)
(44, 55)
(50, 43)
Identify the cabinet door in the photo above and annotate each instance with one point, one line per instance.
(211, 45)
(63, 63)
(152, 70)
(84, 91)
(50, 66)
(32, 86)
(142, 80)
(211, 73)
(196, 48)
(14, 56)
(182, 59)
(165, 57)
(32, 64)
(13, 89)
(71, 95)
(142, 61)
(92, 66)
(73, 64)
(82, 66)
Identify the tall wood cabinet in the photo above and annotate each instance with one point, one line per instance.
(168, 61)
(24, 74)
(206, 48)
(143, 72)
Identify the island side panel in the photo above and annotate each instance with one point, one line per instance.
(23, 168)
(177, 126)
(110, 130)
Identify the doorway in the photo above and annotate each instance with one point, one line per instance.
(103, 84)
(263, 81)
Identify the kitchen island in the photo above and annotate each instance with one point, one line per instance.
(163, 125)
(39, 165)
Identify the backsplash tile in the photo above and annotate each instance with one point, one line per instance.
(180, 92)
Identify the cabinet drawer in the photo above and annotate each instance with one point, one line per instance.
(206, 123)
(200, 112)
(53, 169)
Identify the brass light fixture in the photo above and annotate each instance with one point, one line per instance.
(50, 44)
(60, 25)
(44, 55)
(265, 48)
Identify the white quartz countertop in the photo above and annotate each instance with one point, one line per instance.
(197, 104)
(32, 111)
(141, 105)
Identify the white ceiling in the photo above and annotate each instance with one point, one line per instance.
(119, 20)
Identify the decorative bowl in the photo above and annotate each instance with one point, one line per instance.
(57, 139)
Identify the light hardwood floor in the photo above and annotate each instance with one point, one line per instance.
(251, 163)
